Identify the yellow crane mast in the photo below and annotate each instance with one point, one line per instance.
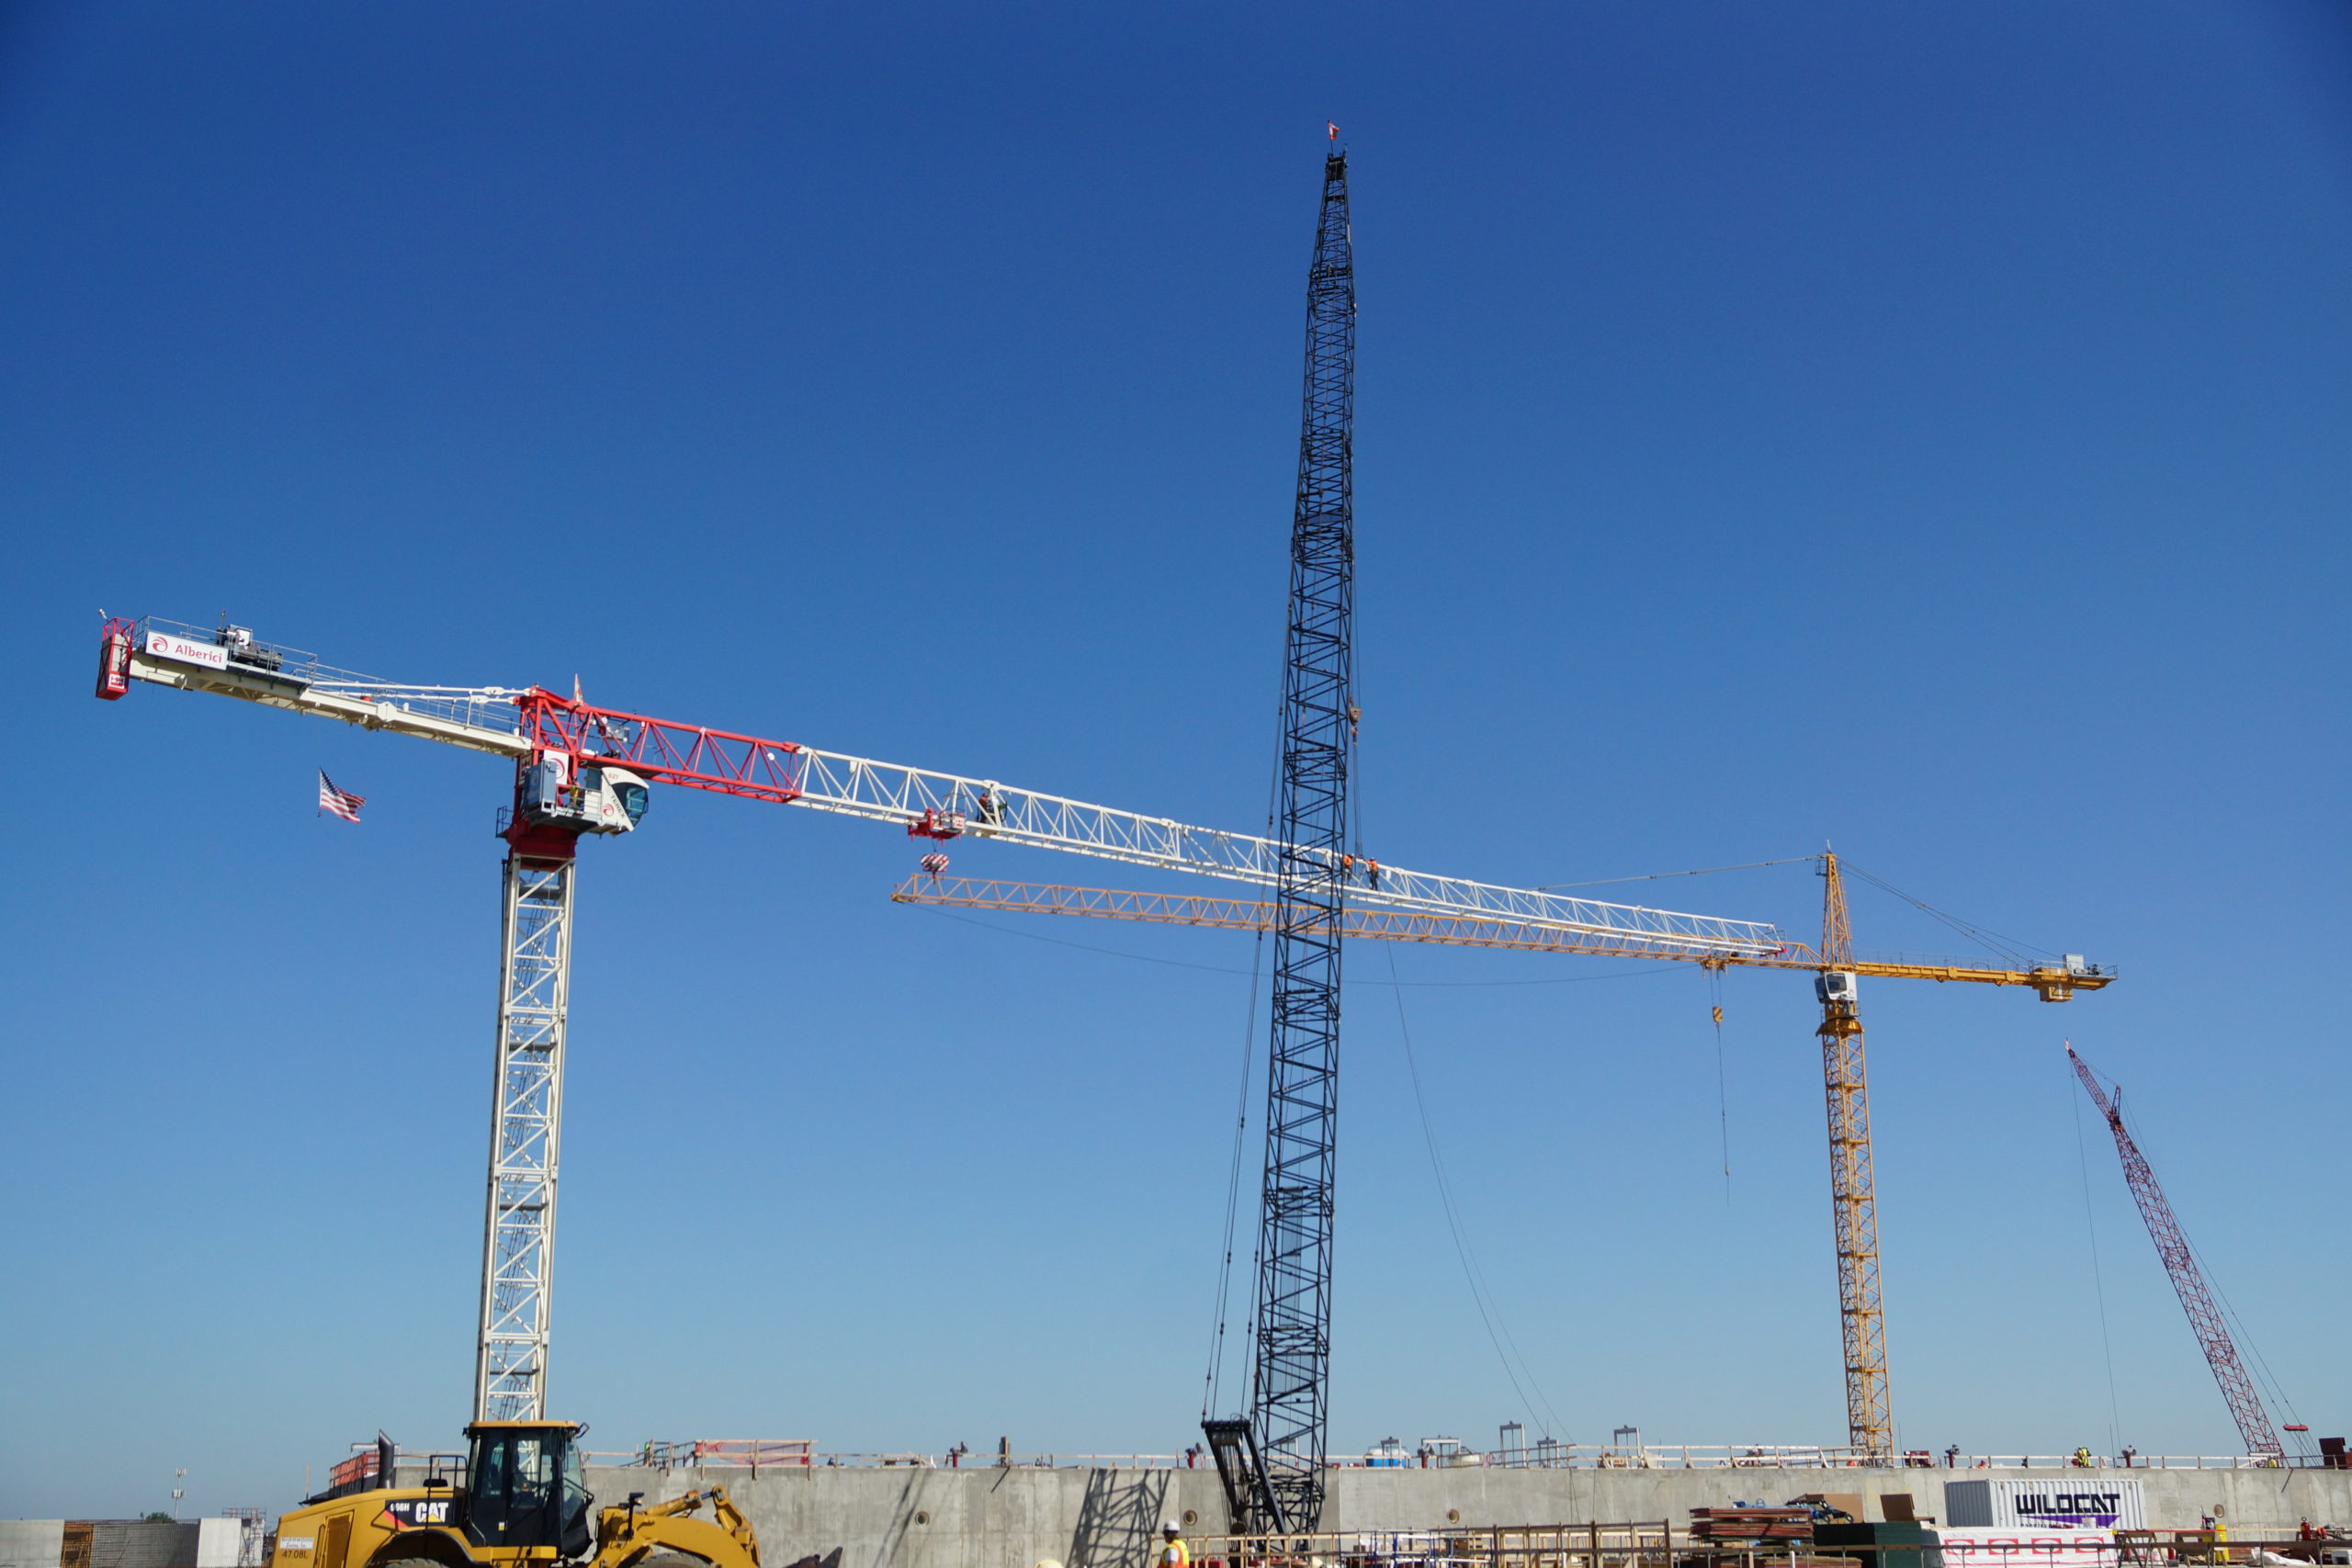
(1853, 1199)
(1845, 1081)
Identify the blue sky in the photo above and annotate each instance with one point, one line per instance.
(1920, 429)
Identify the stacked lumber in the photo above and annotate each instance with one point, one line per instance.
(1768, 1530)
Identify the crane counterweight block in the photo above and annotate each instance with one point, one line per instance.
(114, 660)
(536, 840)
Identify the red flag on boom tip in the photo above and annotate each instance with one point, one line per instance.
(1333, 129)
(339, 802)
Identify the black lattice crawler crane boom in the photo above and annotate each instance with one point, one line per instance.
(1289, 1394)
(2188, 1279)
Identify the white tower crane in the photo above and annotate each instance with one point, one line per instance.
(579, 769)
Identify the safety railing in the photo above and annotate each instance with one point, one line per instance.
(1543, 1455)
(802, 1454)
(797, 1454)
(729, 1453)
(2131, 1461)
(1769, 1456)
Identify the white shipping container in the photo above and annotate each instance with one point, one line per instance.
(2090, 1502)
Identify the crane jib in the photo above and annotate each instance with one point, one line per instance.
(521, 723)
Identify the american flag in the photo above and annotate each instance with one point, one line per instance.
(341, 802)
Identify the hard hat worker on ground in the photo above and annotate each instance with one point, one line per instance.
(1173, 1551)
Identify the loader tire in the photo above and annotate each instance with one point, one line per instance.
(409, 1563)
(668, 1560)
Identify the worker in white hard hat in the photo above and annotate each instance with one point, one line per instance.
(1173, 1553)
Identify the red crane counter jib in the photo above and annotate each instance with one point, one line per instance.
(578, 751)
(659, 749)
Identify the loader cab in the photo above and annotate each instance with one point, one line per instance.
(525, 1492)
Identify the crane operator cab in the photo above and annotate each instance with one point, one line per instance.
(525, 1489)
(585, 799)
(1835, 985)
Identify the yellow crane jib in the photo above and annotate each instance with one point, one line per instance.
(2053, 982)
(1836, 975)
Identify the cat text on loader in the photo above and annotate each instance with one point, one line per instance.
(522, 1502)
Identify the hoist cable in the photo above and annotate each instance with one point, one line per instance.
(1482, 1294)
(1723, 1090)
(1990, 941)
(2098, 1282)
(1662, 875)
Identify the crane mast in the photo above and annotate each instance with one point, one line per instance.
(1869, 1419)
(2188, 1279)
(526, 1112)
(1289, 1388)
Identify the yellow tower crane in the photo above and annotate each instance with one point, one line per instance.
(1853, 1197)
(1870, 1420)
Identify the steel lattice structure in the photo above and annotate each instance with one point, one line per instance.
(527, 1114)
(2187, 1280)
(521, 723)
(1290, 1392)
(1853, 1194)
(2053, 982)
(536, 730)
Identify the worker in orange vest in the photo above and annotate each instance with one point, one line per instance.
(1173, 1553)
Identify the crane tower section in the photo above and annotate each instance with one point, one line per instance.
(1290, 1389)
(525, 1118)
(1853, 1192)
(555, 805)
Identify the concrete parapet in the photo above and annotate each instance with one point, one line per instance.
(919, 1516)
(114, 1543)
(31, 1543)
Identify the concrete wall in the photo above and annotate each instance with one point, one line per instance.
(986, 1517)
(31, 1543)
(114, 1543)
(2255, 1500)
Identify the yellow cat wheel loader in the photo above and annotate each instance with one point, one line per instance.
(523, 1501)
